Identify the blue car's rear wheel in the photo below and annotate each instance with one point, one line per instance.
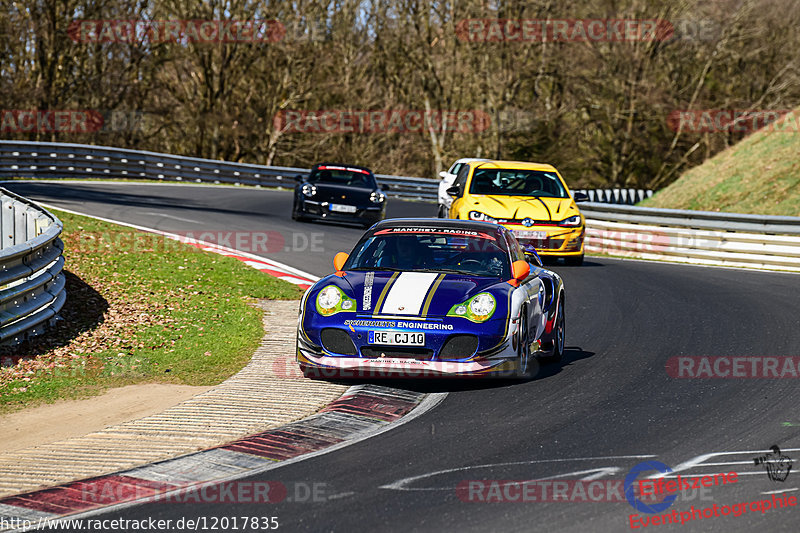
(523, 347)
(560, 332)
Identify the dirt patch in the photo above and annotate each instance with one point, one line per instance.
(41, 425)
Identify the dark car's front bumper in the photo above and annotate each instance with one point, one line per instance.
(366, 215)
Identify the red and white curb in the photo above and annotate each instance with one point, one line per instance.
(362, 412)
(273, 268)
(268, 266)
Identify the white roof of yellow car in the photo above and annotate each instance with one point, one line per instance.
(517, 165)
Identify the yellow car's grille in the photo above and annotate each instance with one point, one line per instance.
(552, 244)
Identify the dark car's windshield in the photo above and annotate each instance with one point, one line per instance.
(508, 182)
(433, 250)
(339, 175)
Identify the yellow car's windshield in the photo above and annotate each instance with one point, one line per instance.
(509, 182)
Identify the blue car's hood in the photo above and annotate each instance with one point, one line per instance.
(414, 293)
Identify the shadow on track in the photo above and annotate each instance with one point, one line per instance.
(397, 209)
(66, 192)
(552, 264)
(468, 383)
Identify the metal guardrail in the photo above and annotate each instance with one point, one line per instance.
(700, 237)
(63, 160)
(31, 278)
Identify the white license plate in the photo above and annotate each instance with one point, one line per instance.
(405, 338)
(341, 208)
(521, 234)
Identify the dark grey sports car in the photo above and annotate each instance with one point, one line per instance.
(341, 193)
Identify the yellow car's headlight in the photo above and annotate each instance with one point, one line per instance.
(571, 222)
(477, 215)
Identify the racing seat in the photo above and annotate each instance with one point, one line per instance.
(482, 187)
(357, 181)
(424, 257)
(534, 184)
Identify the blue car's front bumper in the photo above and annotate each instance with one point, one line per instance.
(453, 346)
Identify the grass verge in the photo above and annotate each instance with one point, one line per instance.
(759, 175)
(140, 308)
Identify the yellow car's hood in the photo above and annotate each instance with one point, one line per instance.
(520, 207)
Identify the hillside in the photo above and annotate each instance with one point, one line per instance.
(760, 174)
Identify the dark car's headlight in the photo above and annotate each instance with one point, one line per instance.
(332, 300)
(377, 197)
(571, 222)
(479, 308)
(477, 215)
(309, 190)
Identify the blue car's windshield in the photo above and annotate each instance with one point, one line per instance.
(432, 250)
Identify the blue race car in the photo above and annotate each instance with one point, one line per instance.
(432, 297)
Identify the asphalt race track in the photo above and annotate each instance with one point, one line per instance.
(607, 407)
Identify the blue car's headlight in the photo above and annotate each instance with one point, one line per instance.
(309, 190)
(479, 308)
(377, 197)
(332, 300)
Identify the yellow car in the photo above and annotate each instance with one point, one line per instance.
(531, 199)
